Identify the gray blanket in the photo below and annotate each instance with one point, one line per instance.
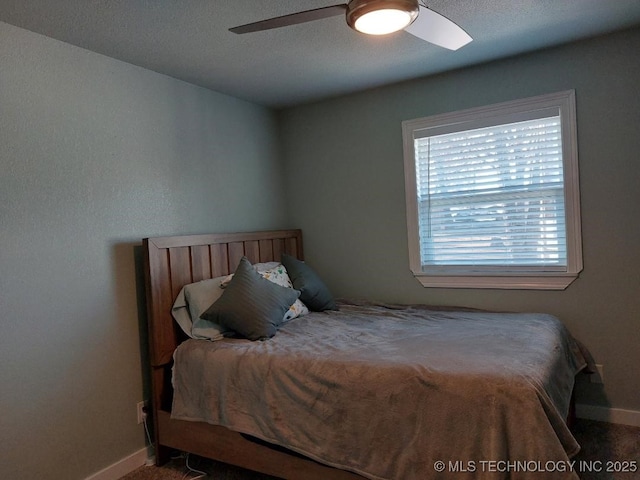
(388, 391)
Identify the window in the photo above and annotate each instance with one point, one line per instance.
(492, 195)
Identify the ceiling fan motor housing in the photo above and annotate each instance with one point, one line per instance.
(358, 8)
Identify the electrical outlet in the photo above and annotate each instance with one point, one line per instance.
(598, 376)
(140, 406)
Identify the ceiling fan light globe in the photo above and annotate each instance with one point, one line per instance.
(382, 22)
(380, 17)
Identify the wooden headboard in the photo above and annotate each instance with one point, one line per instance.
(172, 262)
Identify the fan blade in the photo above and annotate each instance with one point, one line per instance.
(438, 29)
(292, 19)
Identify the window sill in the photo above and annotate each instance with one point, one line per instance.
(506, 282)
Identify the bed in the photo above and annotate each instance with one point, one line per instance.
(349, 394)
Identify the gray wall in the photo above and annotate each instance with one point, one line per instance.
(346, 191)
(96, 154)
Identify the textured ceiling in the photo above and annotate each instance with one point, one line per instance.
(189, 40)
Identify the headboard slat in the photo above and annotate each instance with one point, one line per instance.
(265, 248)
(236, 252)
(278, 247)
(219, 260)
(252, 250)
(200, 263)
(293, 248)
(180, 268)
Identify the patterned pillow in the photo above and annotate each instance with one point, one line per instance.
(279, 276)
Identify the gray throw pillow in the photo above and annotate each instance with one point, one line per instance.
(313, 292)
(251, 305)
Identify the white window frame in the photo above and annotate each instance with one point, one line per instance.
(500, 277)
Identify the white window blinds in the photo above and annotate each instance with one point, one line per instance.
(492, 195)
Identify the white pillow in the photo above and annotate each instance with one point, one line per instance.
(192, 301)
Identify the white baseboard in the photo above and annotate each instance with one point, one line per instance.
(122, 467)
(607, 414)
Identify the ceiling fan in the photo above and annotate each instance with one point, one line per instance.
(378, 17)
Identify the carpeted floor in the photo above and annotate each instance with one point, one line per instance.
(607, 446)
(604, 446)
